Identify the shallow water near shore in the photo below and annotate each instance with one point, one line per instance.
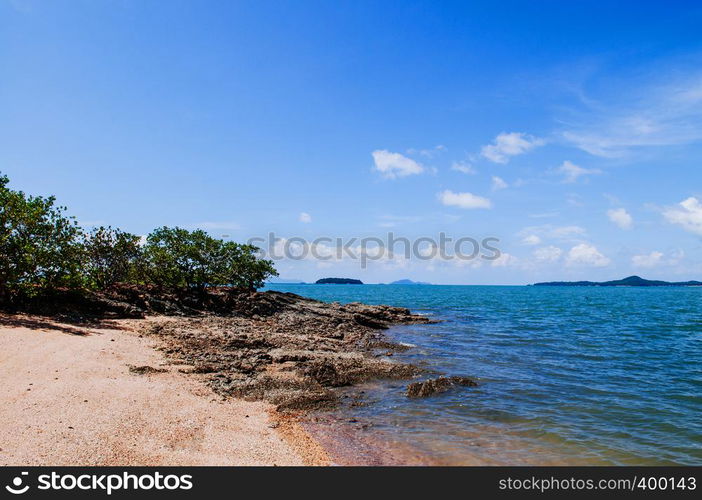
(567, 375)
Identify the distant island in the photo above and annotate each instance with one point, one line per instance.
(630, 281)
(409, 282)
(338, 281)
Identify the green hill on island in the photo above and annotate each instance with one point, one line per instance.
(630, 281)
(338, 281)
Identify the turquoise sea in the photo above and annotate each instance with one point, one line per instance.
(567, 375)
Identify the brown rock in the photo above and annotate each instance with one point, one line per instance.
(437, 385)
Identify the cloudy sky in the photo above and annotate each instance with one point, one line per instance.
(570, 132)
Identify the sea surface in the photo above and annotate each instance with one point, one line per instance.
(567, 375)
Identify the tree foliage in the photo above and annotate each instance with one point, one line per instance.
(41, 248)
(242, 268)
(38, 244)
(110, 256)
(178, 258)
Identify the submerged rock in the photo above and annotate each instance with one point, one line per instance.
(437, 385)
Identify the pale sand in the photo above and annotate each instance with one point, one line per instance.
(68, 398)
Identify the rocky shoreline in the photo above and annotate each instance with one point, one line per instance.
(285, 349)
(294, 353)
(278, 347)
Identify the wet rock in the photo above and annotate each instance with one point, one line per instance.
(293, 352)
(145, 369)
(390, 346)
(437, 385)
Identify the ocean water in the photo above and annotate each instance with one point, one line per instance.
(567, 375)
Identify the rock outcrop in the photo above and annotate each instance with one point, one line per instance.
(286, 349)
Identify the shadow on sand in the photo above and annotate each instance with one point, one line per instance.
(40, 323)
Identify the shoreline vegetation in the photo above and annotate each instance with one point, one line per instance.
(44, 251)
(195, 298)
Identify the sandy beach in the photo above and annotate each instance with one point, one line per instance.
(70, 398)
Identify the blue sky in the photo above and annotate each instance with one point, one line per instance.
(572, 132)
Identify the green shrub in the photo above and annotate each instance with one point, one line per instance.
(39, 245)
(110, 256)
(178, 258)
(241, 267)
(43, 249)
(175, 257)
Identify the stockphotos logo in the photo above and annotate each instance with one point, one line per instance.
(16, 488)
(102, 482)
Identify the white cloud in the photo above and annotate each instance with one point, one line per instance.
(396, 220)
(510, 144)
(676, 256)
(547, 254)
(466, 263)
(504, 260)
(393, 165)
(531, 239)
(428, 251)
(429, 153)
(544, 215)
(461, 166)
(574, 200)
(586, 255)
(573, 172)
(651, 260)
(620, 217)
(613, 200)
(498, 183)
(655, 258)
(688, 216)
(566, 231)
(463, 200)
(305, 218)
(649, 114)
(22, 6)
(548, 231)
